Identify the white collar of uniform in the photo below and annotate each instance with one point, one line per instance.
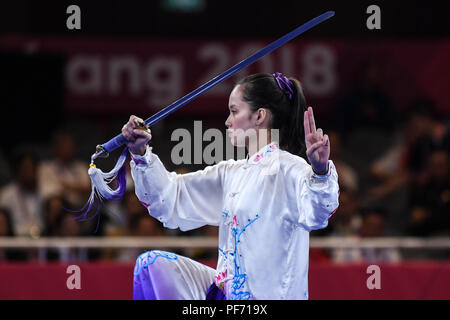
(264, 152)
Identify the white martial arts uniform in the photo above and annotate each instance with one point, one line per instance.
(264, 206)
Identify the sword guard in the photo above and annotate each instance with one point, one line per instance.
(141, 125)
(101, 152)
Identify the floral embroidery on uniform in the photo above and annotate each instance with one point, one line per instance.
(261, 155)
(239, 278)
(234, 224)
(258, 157)
(219, 280)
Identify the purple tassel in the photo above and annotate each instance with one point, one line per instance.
(102, 191)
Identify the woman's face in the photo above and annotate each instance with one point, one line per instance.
(240, 120)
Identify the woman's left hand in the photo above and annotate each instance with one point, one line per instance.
(317, 144)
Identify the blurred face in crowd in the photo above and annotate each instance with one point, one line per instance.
(373, 225)
(417, 126)
(240, 119)
(70, 227)
(133, 207)
(26, 173)
(64, 148)
(54, 209)
(439, 166)
(348, 207)
(147, 227)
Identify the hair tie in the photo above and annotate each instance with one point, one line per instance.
(284, 84)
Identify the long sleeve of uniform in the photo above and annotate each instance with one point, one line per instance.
(186, 201)
(318, 196)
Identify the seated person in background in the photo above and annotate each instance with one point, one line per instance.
(373, 226)
(54, 209)
(141, 226)
(21, 197)
(348, 177)
(136, 223)
(131, 210)
(64, 175)
(64, 226)
(406, 161)
(347, 220)
(430, 203)
(6, 230)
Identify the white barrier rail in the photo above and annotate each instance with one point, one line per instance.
(211, 242)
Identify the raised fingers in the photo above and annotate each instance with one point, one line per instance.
(319, 133)
(313, 148)
(306, 123)
(312, 123)
(326, 140)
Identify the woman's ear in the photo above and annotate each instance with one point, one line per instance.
(262, 116)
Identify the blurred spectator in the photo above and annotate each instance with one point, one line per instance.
(346, 221)
(389, 178)
(53, 211)
(373, 223)
(430, 134)
(366, 105)
(6, 230)
(64, 175)
(348, 177)
(21, 196)
(430, 203)
(65, 225)
(403, 165)
(422, 131)
(365, 119)
(138, 222)
(204, 253)
(373, 226)
(141, 226)
(132, 210)
(146, 226)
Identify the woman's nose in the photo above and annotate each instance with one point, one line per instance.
(227, 122)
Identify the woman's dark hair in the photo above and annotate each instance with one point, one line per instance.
(262, 91)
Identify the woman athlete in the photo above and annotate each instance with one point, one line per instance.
(264, 205)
